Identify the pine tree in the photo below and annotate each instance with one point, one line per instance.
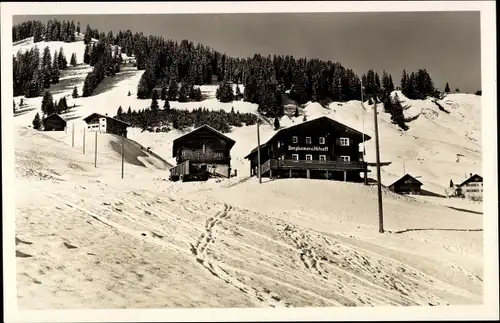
(166, 106)
(37, 123)
(163, 93)
(447, 88)
(75, 93)
(46, 101)
(451, 181)
(14, 106)
(55, 69)
(73, 59)
(88, 36)
(63, 63)
(129, 94)
(78, 28)
(154, 104)
(183, 93)
(120, 111)
(86, 54)
(197, 95)
(173, 90)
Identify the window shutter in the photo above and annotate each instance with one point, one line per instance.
(337, 141)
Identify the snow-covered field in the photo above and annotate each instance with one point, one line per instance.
(88, 239)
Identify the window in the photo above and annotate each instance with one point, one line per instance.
(322, 157)
(308, 140)
(321, 140)
(279, 144)
(295, 156)
(309, 157)
(295, 139)
(344, 141)
(345, 158)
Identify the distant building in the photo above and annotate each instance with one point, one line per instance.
(54, 122)
(407, 185)
(102, 123)
(471, 188)
(202, 151)
(320, 148)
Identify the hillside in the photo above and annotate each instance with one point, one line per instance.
(87, 239)
(441, 143)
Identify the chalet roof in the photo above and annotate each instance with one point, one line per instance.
(230, 141)
(103, 116)
(470, 179)
(404, 178)
(54, 115)
(322, 118)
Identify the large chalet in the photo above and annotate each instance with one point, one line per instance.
(319, 148)
(202, 152)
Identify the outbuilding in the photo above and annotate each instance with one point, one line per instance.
(103, 123)
(54, 122)
(407, 185)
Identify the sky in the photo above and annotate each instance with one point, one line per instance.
(446, 44)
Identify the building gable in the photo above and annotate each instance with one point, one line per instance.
(406, 179)
(473, 179)
(323, 122)
(203, 131)
(54, 117)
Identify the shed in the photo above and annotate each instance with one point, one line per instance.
(407, 185)
(54, 122)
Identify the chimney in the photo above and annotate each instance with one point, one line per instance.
(106, 114)
(470, 174)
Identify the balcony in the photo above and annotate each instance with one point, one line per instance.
(337, 165)
(203, 157)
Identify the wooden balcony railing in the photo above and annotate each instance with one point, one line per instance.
(319, 165)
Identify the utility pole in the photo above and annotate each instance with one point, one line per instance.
(95, 155)
(258, 150)
(379, 184)
(84, 131)
(123, 143)
(73, 136)
(404, 168)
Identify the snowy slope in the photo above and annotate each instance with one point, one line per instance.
(439, 146)
(87, 239)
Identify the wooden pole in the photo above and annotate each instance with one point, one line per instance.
(73, 136)
(379, 184)
(84, 131)
(123, 154)
(95, 155)
(258, 151)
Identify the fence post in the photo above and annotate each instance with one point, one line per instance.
(95, 156)
(84, 131)
(73, 136)
(123, 154)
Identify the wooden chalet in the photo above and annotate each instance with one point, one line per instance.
(104, 123)
(472, 187)
(320, 148)
(406, 185)
(202, 152)
(54, 122)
